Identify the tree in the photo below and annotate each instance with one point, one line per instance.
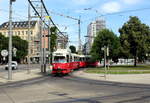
(3, 44)
(18, 43)
(53, 38)
(133, 38)
(73, 49)
(21, 46)
(105, 38)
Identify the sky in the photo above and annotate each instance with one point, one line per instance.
(88, 10)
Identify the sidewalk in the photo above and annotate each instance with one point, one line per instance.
(124, 78)
(20, 76)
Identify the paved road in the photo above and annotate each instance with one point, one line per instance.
(69, 89)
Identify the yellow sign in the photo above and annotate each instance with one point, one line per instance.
(47, 17)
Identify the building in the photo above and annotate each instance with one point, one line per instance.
(92, 30)
(62, 40)
(20, 28)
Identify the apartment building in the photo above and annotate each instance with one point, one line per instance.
(20, 28)
(92, 30)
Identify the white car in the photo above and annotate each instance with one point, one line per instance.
(14, 65)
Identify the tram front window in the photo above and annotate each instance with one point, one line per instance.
(59, 59)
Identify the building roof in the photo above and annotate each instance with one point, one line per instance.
(18, 24)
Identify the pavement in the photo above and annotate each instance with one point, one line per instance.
(123, 78)
(20, 76)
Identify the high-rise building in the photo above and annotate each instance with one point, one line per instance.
(92, 30)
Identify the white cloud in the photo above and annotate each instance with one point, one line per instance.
(111, 7)
(131, 1)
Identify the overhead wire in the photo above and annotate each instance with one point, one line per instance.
(38, 13)
(51, 18)
(116, 13)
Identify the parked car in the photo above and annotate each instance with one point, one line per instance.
(14, 65)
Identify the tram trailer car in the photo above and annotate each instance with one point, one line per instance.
(82, 61)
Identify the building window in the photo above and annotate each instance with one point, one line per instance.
(15, 33)
(31, 32)
(22, 32)
(18, 32)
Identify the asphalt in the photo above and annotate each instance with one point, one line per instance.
(71, 88)
(125, 78)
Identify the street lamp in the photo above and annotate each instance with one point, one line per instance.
(10, 40)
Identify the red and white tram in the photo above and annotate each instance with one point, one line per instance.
(65, 62)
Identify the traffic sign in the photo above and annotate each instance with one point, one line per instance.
(4, 53)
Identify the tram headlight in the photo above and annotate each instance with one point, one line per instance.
(51, 67)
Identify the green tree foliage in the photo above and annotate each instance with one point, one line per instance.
(134, 39)
(53, 38)
(18, 43)
(3, 44)
(73, 49)
(105, 38)
(21, 46)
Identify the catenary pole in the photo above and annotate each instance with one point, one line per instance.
(79, 34)
(10, 41)
(41, 39)
(29, 38)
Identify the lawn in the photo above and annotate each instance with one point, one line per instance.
(140, 69)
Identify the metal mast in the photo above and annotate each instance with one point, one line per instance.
(29, 37)
(10, 40)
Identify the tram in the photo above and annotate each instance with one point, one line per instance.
(65, 62)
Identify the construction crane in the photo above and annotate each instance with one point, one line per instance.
(79, 27)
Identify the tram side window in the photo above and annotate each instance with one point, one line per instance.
(71, 59)
(67, 58)
(80, 59)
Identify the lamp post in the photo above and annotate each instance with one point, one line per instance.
(10, 40)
